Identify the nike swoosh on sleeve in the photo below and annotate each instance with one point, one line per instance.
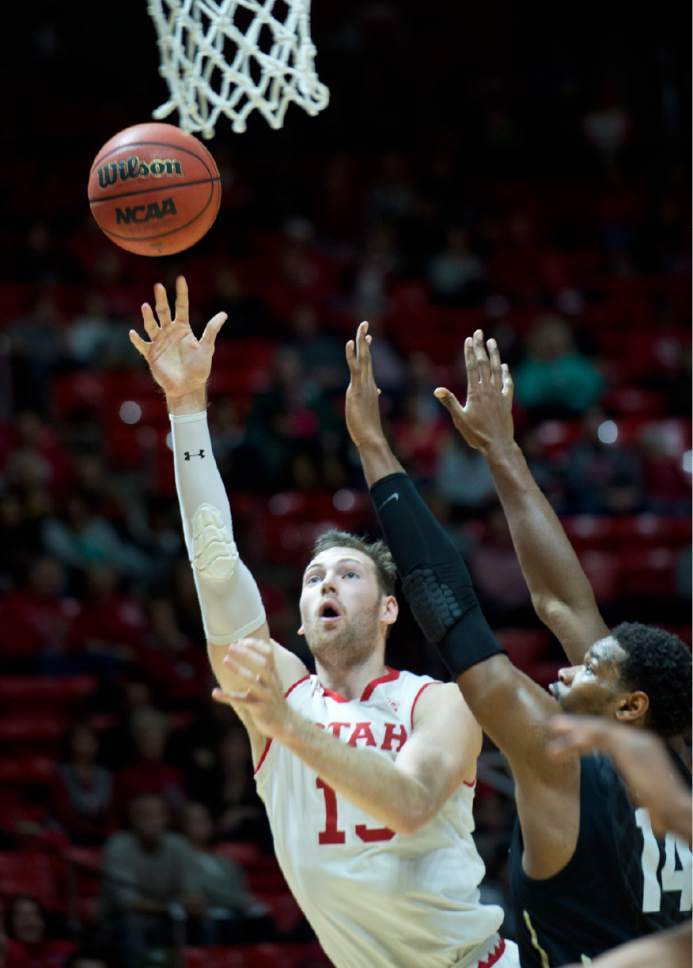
(392, 497)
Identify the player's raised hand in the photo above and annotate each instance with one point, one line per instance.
(640, 756)
(485, 421)
(179, 362)
(362, 410)
(263, 698)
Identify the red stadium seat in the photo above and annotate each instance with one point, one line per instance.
(603, 572)
(557, 436)
(26, 771)
(256, 956)
(44, 732)
(649, 573)
(524, 646)
(78, 872)
(28, 872)
(21, 693)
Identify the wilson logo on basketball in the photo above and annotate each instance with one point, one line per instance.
(133, 167)
(145, 213)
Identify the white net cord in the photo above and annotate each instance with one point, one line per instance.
(231, 57)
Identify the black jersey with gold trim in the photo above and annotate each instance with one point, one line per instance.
(621, 883)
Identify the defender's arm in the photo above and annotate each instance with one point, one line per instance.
(561, 593)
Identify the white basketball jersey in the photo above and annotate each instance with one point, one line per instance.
(374, 898)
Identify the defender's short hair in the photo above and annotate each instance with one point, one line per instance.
(377, 551)
(659, 664)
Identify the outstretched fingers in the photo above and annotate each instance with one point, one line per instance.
(363, 342)
(212, 329)
(182, 308)
(508, 387)
(472, 365)
(140, 345)
(482, 359)
(495, 363)
(163, 310)
(151, 327)
(449, 401)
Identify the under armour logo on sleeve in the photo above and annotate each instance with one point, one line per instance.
(188, 455)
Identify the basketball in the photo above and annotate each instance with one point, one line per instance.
(154, 190)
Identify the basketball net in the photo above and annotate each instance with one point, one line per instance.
(231, 57)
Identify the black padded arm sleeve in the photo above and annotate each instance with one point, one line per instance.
(435, 579)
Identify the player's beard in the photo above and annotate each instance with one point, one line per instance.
(348, 646)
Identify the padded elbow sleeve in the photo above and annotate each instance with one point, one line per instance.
(435, 579)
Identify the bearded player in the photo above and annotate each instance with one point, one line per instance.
(369, 802)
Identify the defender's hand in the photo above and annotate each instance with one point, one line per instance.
(640, 756)
(263, 700)
(362, 410)
(486, 420)
(178, 361)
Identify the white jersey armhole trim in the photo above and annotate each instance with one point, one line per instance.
(268, 742)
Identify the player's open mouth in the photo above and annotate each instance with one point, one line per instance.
(329, 612)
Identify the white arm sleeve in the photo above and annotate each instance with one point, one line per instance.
(229, 598)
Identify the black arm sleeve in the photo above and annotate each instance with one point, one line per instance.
(435, 579)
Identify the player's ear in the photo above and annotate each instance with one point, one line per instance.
(389, 609)
(301, 630)
(633, 707)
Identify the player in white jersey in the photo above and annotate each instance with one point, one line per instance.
(369, 802)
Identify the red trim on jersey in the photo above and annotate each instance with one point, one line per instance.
(435, 682)
(389, 676)
(269, 741)
(333, 695)
(494, 956)
(297, 683)
(263, 757)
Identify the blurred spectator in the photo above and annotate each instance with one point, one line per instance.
(83, 793)
(497, 574)
(373, 272)
(247, 316)
(292, 429)
(229, 790)
(232, 913)
(37, 459)
(388, 366)
(148, 771)
(34, 947)
(668, 491)
(36, 616)
(601, 476)
(12, 954)
(320, 350)
(684, 573)
(37, 346)
(79, 537)
(170, 658)
(462, 475)
(607, 127)
(88, 958)
(21, 520)
(89, 333)
(112, 624)
(144, 900)
(418, 436)
(555, 378)
(457, 276)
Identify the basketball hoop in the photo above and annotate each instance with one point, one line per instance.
(231, 57)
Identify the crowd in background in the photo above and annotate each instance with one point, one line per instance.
(544, 217)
